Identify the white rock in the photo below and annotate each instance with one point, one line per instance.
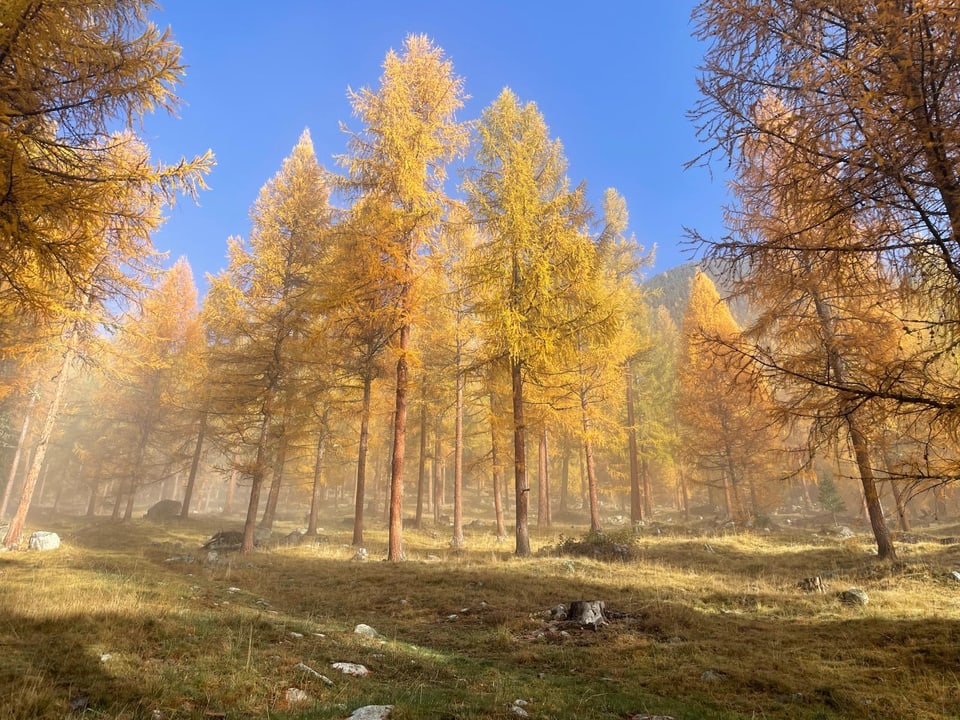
(371, 712)
(296, 696)
(354, 669)
(44, 541)
(366, 630)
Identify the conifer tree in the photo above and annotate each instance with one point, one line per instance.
(258, 311)
(395, 172)
(533, 255)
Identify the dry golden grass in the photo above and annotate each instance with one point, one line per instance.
(702, 627)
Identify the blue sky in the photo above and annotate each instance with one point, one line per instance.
(613, 79)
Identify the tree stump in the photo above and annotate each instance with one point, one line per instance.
(587, 612)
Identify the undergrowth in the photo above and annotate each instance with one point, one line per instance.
(136, 622)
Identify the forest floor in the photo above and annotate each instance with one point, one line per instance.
(136, 621)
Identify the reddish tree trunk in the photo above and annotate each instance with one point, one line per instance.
(519, 463)
(362, 462)
(194, 466)
(395, 540)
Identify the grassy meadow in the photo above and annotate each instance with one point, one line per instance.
(133, 621)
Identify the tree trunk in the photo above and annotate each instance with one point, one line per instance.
(564, 476)
(636, 501)
(421, 465)
(276, 482)
(362, 462)
(135, 473)
(312, 522)
(495, 463)
(194, 466)
(519, 463)
(256, 482)
(591, 467)
(15, 529)
(21, 441)
(647, 486)
(543, 500)
(457, 541)
(395, 541)
(231, 490)
(861, 451)
(437, 480)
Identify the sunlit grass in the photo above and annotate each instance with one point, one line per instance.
(130, 621)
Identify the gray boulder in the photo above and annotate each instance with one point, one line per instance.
(164, 510)
(43, 541)
(854, 596)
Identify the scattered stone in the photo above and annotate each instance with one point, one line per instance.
(845, 533)
(453, 617)
(955, 575)
(371, 712)
(647, 716)
(557, 613)
(355, 669)
(42, 540)
(360, 555)
(713, 676)
(812, 584)
(303, 667)
(296, 696)
(518, 708)
(296, 635)
(366, 631)
(213, 557)
(105, 657)
(164, 510)
(854, 596)
(233, 589)
(187, 559)
(293, 539)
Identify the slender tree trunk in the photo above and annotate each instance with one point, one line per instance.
(519, 463)
(497, 477)
(636, 500)
(256, 483)
(276, 482)
(564, 476)
(591, 467)
(94, 489)
(312, 522)
(543, 512)
(231, 490)
(647, 484)
(194, 466)
(395, 543)
(15, 529)
(362, 462)
(457, 541)
(421, 465)
(861, 452)
(437, 480)
(21, 441)
(135, 473)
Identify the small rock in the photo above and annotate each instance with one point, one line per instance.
(360, 555)
(296, 635)
(42, 540)
(233, 589)
(854, 596)
(518, 708)
(105, 657)
(296, 696)
(845, 533)
(366, 631)
(713, 676)
(955, 575)
(354, 669)
(371, 712)
(646, 716)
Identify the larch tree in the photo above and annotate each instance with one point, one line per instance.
(395, 171)
(725, 416)
(827, 319)
(873, 93)
(143, 380)
(258, 311)
(71, 75)
(532, 255)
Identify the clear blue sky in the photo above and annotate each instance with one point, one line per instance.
(613, 79)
